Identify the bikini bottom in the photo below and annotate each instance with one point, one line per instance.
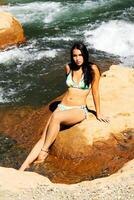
(82, 107)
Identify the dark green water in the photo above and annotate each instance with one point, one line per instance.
(33, 73)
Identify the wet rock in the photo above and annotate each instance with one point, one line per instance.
(11, 31)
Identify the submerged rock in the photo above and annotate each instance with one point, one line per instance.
(11, 31)
(10, 152)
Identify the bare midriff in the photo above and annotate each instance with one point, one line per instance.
(75, 97)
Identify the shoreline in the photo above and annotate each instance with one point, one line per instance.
(29, 185)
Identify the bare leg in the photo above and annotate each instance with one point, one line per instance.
(65, 117)
(50, 133)
(54, 127)
(35, 151)
(37, 148)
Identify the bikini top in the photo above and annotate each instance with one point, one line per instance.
(71, 83)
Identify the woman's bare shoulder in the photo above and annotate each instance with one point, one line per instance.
(95, 68)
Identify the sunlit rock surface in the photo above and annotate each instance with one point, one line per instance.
(90, 149)
(16, 185)
(11, 31)
(94, 149)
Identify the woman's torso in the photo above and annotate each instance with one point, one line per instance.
(77, 90)
(75, 97)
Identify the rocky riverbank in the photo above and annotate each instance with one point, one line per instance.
(109, 146)
(29, 186)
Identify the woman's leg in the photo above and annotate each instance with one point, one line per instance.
(50, 133)
(66, 117)
(36, 150)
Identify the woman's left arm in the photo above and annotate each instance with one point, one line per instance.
(96, 95)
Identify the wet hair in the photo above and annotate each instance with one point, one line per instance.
(86, 66)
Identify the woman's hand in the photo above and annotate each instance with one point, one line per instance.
(102, 118)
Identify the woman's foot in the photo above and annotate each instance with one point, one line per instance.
(42, 156)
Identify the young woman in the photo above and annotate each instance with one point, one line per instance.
(81, 77)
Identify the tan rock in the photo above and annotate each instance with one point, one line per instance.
(16, 185)
(90, 149)
(11, 31)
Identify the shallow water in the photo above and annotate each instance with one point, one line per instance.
(69, 171)
(11, 154)
(64, 170)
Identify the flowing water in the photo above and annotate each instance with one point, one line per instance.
(33, 73)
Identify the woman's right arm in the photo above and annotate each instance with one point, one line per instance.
(96, 95)
(67, 69)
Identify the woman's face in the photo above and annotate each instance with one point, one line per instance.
(77, 56)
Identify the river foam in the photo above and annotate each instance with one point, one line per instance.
(47, 12)
(36, 11)
(114, 37)
(51, 27)
(24, 54)
(5, 95)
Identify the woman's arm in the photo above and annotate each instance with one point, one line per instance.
(67, 69)
(95, 93)
(95, 89)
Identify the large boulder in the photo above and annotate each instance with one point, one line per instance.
(92, 148)
(117, 102)
(11, 31)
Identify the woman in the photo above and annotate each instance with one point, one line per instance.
(81, 77)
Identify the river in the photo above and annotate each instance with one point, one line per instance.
(33, 73)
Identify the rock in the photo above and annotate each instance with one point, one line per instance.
(11, 31)
(94, 149)
(15, 185)
(90, 149)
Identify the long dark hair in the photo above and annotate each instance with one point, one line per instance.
(86, 66)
